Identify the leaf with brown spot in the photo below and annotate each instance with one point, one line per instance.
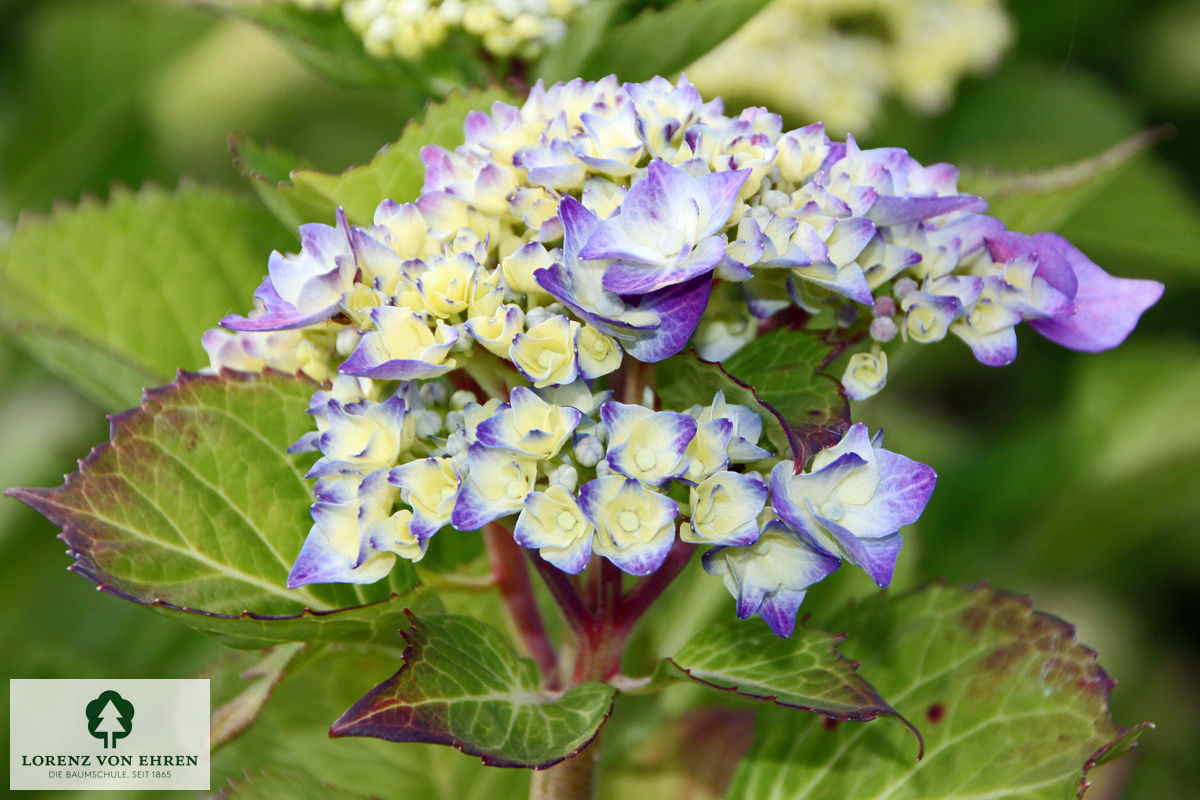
(1022, 707)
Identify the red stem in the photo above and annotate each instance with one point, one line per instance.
(565, 593)
(512, 579)
(635, 604)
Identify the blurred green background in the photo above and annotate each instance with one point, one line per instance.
(1073, 478)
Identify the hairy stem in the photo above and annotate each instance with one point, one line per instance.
(512, 579)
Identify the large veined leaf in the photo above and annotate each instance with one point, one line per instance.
(664, 41)
(1042, 200)
(784, 367)
(195, 509)
(1010, 705)
(290, 737)
(115, 296)
(803, 671)
(396, 173)
(463, 684)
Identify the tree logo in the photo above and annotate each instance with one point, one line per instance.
(110, 717)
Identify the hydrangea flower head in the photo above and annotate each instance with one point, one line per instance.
(491, 347)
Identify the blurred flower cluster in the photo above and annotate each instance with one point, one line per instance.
(837, 61)
(488, 340)
(407, 29)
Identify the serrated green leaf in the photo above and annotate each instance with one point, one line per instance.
(291, 736)
(664, 41)
(1042, 200)
(195, 509)
(396, 173)
(784, 367)
(803, 671)
(116, 296)
(1010, 705)
(463, 684)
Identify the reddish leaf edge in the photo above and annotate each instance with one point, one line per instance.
(1124, 742)
(805, 440)
(867, 715)
(345, 724)
(41, 500)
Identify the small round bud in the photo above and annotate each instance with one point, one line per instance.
(846, 315)
(565, 476)
(884, 306)
(903, 288)
(589, 450)
(459, 400)
(433, 394)
(883, 329)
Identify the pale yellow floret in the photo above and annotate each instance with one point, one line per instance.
(394, 535)
(599, 354)
(546, 352)
(866, 375)
(556, 519)
(432, 487)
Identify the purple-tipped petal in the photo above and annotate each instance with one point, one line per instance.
(680, 308)
(1108, 308)
(897, 210)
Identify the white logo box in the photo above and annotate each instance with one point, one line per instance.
(108, 734)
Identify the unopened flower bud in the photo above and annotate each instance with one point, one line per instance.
(883, 329)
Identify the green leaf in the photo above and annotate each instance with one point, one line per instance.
(803, 671)
(323, 41)
(116, 296)
(233, 717)
(687, 378)
(291, 737)
(75, 105)
(292, 785)
(463, 685)
(1010, 705)
(195, 509)
(664, 41)
(784, 367)
(1042, 200)
(396, 173)
(585, 31)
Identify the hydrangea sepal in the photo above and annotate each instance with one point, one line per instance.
(463, 685)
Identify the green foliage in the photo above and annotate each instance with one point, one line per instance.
(77, 120)
(116, 296)
(395, 173)
(291, 737)
(784, 367)
(802, 671)
(293, 785)
(1008, 703)
(1042, 200)
(195, 509)
(462, 684)
(657, 41)
(322, 40)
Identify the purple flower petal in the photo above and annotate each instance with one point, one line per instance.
(1108, 308)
